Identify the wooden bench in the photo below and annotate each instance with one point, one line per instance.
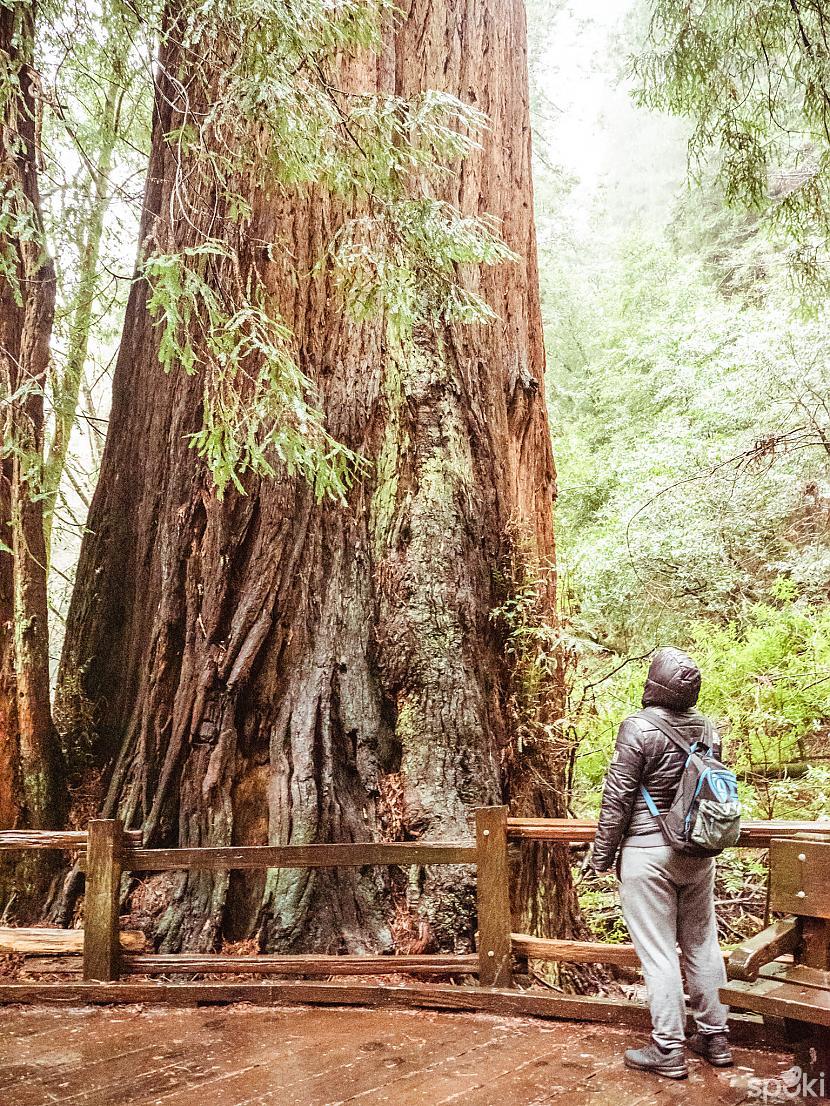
(797, 993)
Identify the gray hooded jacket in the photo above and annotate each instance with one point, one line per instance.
(644, 755)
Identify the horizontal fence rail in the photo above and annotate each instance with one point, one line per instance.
(573, 952)
(574, 831)
(754, 834)
(68, 840)
(183, 963)
(37, 941)
(358, 854)
(106, 851)
(579, 952)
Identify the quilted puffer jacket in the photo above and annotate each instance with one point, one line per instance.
(644, 755)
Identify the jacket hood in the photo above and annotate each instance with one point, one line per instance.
(673, 681)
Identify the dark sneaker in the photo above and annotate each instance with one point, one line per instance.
(668, 1062)
(713, 1047)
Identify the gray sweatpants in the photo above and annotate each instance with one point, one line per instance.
(668, 899)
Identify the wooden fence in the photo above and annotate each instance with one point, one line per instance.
(106, 851)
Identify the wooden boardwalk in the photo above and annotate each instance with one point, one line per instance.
(241, 1056)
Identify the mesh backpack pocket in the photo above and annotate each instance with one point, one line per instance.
(717, 824)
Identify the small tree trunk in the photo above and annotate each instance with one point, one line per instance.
(39, 763)
(9, 753)
(68, 390)
(31, 788)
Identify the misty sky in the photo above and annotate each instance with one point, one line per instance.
(625, 158)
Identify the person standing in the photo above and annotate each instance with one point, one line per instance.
(667, 896)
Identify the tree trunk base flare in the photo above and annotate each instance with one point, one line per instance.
(265, 668)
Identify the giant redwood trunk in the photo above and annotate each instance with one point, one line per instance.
(31, 783)
(266, 668)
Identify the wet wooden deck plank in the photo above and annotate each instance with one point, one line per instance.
(555, 1056)
(614, 1082)
(83, 1054)
(572, 1056)
(496, 1048)
(78, 1046)
(252, 1054)
(215, 1050)
(244, 1056)
(354, 1050)
(706, 1086)
(73, 1045)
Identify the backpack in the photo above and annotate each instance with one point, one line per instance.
(705, 815)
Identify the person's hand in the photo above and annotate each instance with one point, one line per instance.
(598, 869)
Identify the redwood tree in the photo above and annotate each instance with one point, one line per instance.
(271, 666)
(31, 778)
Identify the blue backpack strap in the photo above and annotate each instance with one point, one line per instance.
(677, 739)
(650, 803)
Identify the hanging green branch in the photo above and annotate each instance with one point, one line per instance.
(755, 81)
(403, 264)
(256, 402)
(273, 115)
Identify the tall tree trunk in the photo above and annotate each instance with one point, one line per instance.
(269, 668)
(31, 784)
(9, 753)
(68, 391)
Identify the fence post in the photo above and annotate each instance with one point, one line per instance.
(493, 893)
(103, 882)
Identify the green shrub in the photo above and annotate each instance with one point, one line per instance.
(766, 685)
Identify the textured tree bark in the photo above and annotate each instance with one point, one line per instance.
(9, 758)
(31, 784)
(11, 322)
(270, 669)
